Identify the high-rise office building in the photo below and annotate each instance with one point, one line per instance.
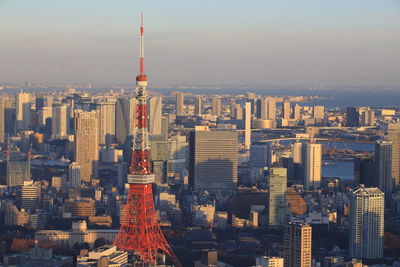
(296, 112)
(383, 168)
(180, 104)
(368, 117)
(286, 110)
(312, 159)
(18, 171)
(297, 245)
(74, 175)
(87, 143)
(271, 115)
(277, 184)
(155, 115)
(296, 152)
(30, 195)
(366, 223)
(9, 116)
(238, 112)
(352, 117)
(266, 108)
(59, 121)
(260, 155)
(178, 154)
(125, 110)
(106, 112)
(213, 159)
(216, 106)
(319, 112)
(247, 125)
(232, 109)
(394, 136)
(159, 154)
(22, 111)
(364, 171)
(198, 107)
(2, 121)
(43, 101)
(45, 117)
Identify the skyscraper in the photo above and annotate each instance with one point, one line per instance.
(319, 112)
(296, 152)
(368, 118)
(312, 158)
(216, 106)
(22, 111)
(352, 117)
(213, 160)
(2, 121)
(296, 112)
(247, 125)
(198, 106)
(260, 155)
(277, 184)
(266, 108)
(366, 223)
(364, 171)
(155, 115)
(178, 154)
(59, 121)
(383, 167)
(232, 109)
(394, 136)
(297, 245)
(106, 111)
(87, 143)
(238, 112)
(125, 110)
(74, 175)
(286, 110)
(180, 107)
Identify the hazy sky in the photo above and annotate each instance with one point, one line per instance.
(298, 42)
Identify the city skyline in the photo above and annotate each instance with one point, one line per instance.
(312, 43)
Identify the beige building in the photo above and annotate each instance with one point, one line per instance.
(297, 245)
(269, 262)
(22, 111)
(59, 121)
(286, 110)
(80, 207)
(216, 106)
(155, 115)
(312, 159)
(79, 234)
(247, 125)
(106, 126)
(180, 106)
(394, 136)
(319, 112)
(87, 144)
(198, 106)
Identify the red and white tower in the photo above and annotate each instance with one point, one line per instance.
(140, 232)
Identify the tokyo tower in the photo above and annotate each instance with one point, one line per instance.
(140, 232)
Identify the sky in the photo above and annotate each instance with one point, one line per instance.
(219, 42)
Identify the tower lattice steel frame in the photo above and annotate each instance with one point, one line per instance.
(140, 232)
